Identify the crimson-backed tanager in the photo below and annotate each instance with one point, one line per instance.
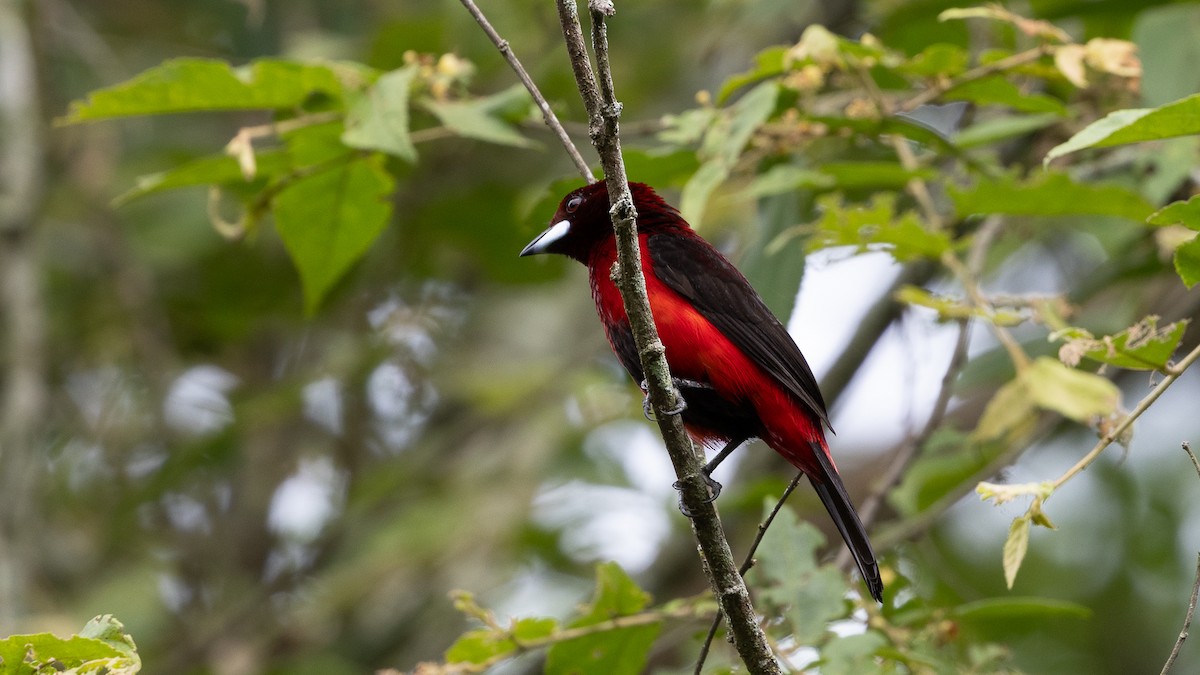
(740, 374)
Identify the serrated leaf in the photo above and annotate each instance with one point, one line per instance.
(533, 628)
(1049, 194)
(480, 646)
(1074, 394)
(876, 225)
(1179, 213)
(107, 629)
(1180, 118)
(810, 595)
(854, 654)
(1024, 608)
(47, 653)
(378, 118)
(190, 84)
(1187, 262)
(478, 119)
(329, 219)
(619, 651)
(1143, 346)
(1015, 548)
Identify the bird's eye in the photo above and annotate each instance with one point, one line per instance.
(573, 204)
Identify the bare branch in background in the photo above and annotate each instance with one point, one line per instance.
(1191, 609)
(547, 113)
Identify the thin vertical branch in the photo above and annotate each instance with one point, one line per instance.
(547, 113)
(1191, 608)
(603, 116)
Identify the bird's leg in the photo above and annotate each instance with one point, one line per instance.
(707, 470)
(714, 487)
(679, 383)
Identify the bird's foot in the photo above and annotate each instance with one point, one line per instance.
(679, 384)
(714, 491)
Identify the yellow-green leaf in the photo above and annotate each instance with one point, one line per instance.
(1072, 393)
(1015, 548)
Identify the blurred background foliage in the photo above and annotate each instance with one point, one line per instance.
(252, 488)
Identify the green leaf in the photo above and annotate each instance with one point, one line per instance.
(947, 461)
(874, 226)
(213, 170)
(727, 138)
(189, 85)
(1071, 393)
(616, 595)
(477, 119)
(1143, 346)
(534, 628)
(1187, 262)
(660, 169)
(1179, 213)
(1015, 548)
(1023, 608)
(941, 59)
(480, 646)
(784, 178)
(1009, 412)
(811, 595)
(107, 629)
(1049, 194)
(1003, 128)
(378, 118)
(329, 219)
(1180, 118)
(102, 647)
(873, 175)
(618, 651)
(767, 63)
(999, 90)
(853, 654)
(693, 200)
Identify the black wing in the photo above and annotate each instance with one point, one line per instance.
(696, 271)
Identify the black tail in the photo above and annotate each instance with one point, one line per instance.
(837, 502)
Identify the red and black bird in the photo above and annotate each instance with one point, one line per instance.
(739, 372)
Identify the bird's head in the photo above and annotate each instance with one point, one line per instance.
(582, 222)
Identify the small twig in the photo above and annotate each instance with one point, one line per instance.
(977, 73)
(547, 112)
(1191, 608)
(747, 563)
(1107, 439)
